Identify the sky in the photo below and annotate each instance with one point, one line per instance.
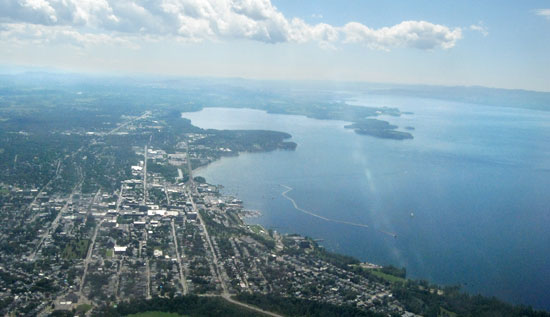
(504, 44)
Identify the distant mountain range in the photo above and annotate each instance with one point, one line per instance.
(516, 98)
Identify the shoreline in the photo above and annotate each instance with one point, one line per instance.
(238, 188)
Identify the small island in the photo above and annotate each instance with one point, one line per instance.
(379, 129)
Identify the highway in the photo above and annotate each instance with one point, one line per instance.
(143, 116)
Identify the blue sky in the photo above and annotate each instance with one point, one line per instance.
(490, 43)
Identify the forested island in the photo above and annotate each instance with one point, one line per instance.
(379, 129)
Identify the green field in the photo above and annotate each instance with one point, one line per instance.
(83, 308)
(388, 277)
(261, 231)
(154, 314)
(446, 313)
(257, 229)
(76, 249)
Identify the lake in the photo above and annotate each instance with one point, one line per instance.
(467, 201)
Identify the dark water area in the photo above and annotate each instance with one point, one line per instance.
(468, 198)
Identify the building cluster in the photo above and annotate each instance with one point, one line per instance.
(158, 236)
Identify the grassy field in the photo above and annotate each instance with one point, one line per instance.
(446, 313)
(154, 314)
(259, 230)
(76, 249)
(83, 308)
(387, 277)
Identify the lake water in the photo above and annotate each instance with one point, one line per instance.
(468, 197)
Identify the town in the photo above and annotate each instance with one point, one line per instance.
(103, 213)
(161, 233)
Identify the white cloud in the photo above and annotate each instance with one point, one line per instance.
(416, 34)
(198, 20)
(543, 12)
(24, 33)
(480, 28)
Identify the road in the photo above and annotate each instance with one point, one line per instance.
(254, 308)
(225, 294)
(117, 280)
(148, 279)
(211, 247)
(143, 116)
(145, 176)
(44, 188)
(167, 195)
(89, 211)
(87, 261)
(53, 225)
(58, 168)
(236, 302)
(120, 198)
(190, 191)
(182, 276)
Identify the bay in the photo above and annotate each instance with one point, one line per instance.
(467, 201)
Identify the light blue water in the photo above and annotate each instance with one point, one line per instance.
(476, 178)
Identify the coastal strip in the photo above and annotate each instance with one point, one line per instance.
(289, 189)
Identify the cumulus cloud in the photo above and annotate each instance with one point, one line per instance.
(417, 34)
(543, 12)
(198, 20)
(480, 28)
(22, 33)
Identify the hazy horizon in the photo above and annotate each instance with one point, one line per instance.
(492, 44)
(27, 70)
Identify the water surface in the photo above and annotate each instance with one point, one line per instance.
(476, 180)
